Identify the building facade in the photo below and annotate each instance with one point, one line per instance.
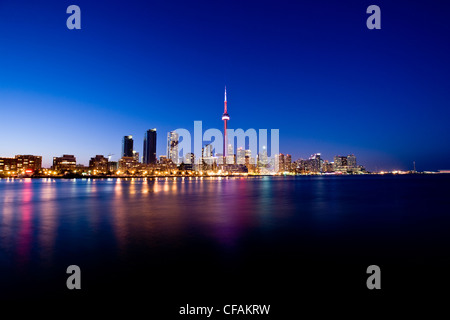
(67, 162)
(172, 146)
(99, 163)
(150, 147)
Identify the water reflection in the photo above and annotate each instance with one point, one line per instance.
(54, 217)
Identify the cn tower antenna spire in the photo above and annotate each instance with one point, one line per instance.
(225, 118)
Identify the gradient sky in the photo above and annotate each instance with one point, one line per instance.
(309, 68)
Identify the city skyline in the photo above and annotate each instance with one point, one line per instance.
(150, 146)
(327, 82)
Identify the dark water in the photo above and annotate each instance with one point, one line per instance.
(256, 240)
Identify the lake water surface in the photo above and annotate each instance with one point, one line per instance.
(229, 237)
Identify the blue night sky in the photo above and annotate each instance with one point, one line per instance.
(309, 68)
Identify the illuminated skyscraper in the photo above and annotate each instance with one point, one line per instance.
(351, 161)
(207, 151)
(127, 146)
(150, 147)
(248, 157)
(230, 154)
(172, 146)
(240, 156)
(288, 163)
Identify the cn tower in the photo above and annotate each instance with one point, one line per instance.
(225, 118)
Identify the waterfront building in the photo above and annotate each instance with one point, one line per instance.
(28, 162)
(8, 166)
(172, 146)
(240, 156)
(113, 166)
(127, 146)
(67, 162)
(351, 161)
(127, 164)
(150, 147)
(99, 163)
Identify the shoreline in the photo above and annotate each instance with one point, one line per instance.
(196, 177)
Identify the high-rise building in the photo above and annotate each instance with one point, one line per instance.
(351, 161)
(248, 157)
(230, 154)
(225, 118)
(280, 162)
(263, 159)
(314, 163)
(150, 146)
(345, 163)
(339, 162)
(288, 163)
(127, 146)
(327, 167)
(240, 156)
(207, 151)
(172, 146)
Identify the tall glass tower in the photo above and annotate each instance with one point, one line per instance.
(172, 146)
(127, 146)
(150, 146)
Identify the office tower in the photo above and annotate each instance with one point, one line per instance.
(207, 151)
(314, 163)
(127, 146)
(172, 146)
(327, 166)
(351, 161)
(248, 157)
(263, 158)
(280, 162)
(150, 146)
(225, 118)
(230, 154)
(240, 156)
(340, 161)
(288, 163)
